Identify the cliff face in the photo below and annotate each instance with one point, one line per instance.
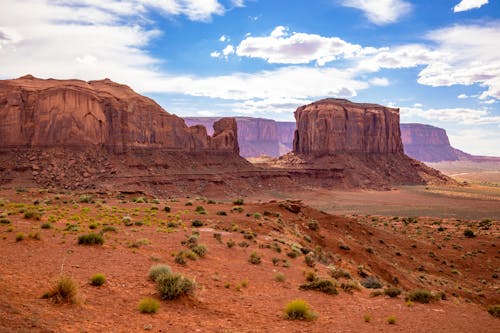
(256, 136)
(429, 144)
(73, 113)
(334, 126)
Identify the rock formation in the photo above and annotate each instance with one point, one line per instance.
(358, 144)
(429, 144)
(74, 113)
(77, 134)
(256, 136)
(340, 126)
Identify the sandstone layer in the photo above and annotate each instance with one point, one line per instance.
(256, 136)
(74, 113)
(340, 126)
(429, 144)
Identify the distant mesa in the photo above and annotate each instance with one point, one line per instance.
(256, 136)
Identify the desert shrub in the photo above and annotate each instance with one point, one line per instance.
(199, 249)
(221, 213)
(172, 286)
(292, 254)
(367, 318)
(494, 310)
(140, 200)
(392, 292)
(238, 201)
(4, 221)
(127, 220)
(338, 273)
(35, 235)
(211, 202)
(313, 225)
(299, 310)
(20, 236)
(64, 290)
(91, 239)
(180, 258)
(255, 258)
(108, 228)
(371, 282)
(376, 293)
(485, 224)
(275, 261)
(309, 260)
(97, 279)
(350, 286)
(230, 243)
(344, 247)
(156, 270)
(280, 277)
(310, 276)
(469, 233)
(148, 305)
(32, 214)
(189, 203)
(72, 227)
(237, 209)
(323, 285)
(421, 296)
(218, 237)
(93, 226)
(200, 210)
(391, 320)
(243, 244)
(46, 225)
(166, 209)
(86, 198)
(196, 223)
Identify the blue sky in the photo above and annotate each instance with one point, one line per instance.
(438, 61)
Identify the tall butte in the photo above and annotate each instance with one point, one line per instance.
(360, 143)
(74, 133)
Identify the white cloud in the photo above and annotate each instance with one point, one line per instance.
(469, 55)
(462, 96)
(466, 5)
(490, 101)
(418, 105)
(464, 116)
(238, 3)
(223, 38)
(228, 50)
(215, 54)
(282, 47)
(265, 106)
(379, 81)
(380, 11)
(478, 141)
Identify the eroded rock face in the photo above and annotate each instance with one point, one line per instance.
(72, 113)
(429, 144)
(332, 126)
(256, 136)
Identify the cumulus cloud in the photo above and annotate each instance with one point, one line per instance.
(470, 55)
(478, 140)
(466, 116)
(281, 47)
(380, 11)
(379, 81)
(462, 96)
(466, 5)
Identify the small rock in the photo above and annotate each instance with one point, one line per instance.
(148, 327)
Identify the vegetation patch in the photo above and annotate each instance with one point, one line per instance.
(172, 286)
(299, 310)
(98, 279)
(323, 285)
(148, 305)
(64, 290)
(91, 239)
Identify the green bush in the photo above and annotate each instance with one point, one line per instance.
(238, 201)
(494, 310)
(421, 296)
(166, 209)
(63, 291)
(4, 221)
(98, 279)
(108, 228)
(156, 270)
(86, 198)
(196, 223)
(391, 320)
(46, 225)
(148, 305)
(469, 233)
(280, 277)
(392, 292)
(32, 214)
(199, 249)
(323, 285)
(172, 286)
(255, 258)
(371, 282)
(338, 273)
(299, 310)
(309, 260)
(20, 236)
(349, 286)
(91, 239)
(221, 213)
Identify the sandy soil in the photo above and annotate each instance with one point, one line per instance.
(461, 267)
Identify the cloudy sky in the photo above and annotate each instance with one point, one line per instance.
(439, 61)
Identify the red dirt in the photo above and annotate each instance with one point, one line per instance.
(28, 267)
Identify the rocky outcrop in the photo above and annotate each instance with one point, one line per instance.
(256, 136)
(429, 144)
(340, 126)
(74, 113)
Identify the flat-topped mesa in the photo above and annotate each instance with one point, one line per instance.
(332, 126)
(36, 113)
